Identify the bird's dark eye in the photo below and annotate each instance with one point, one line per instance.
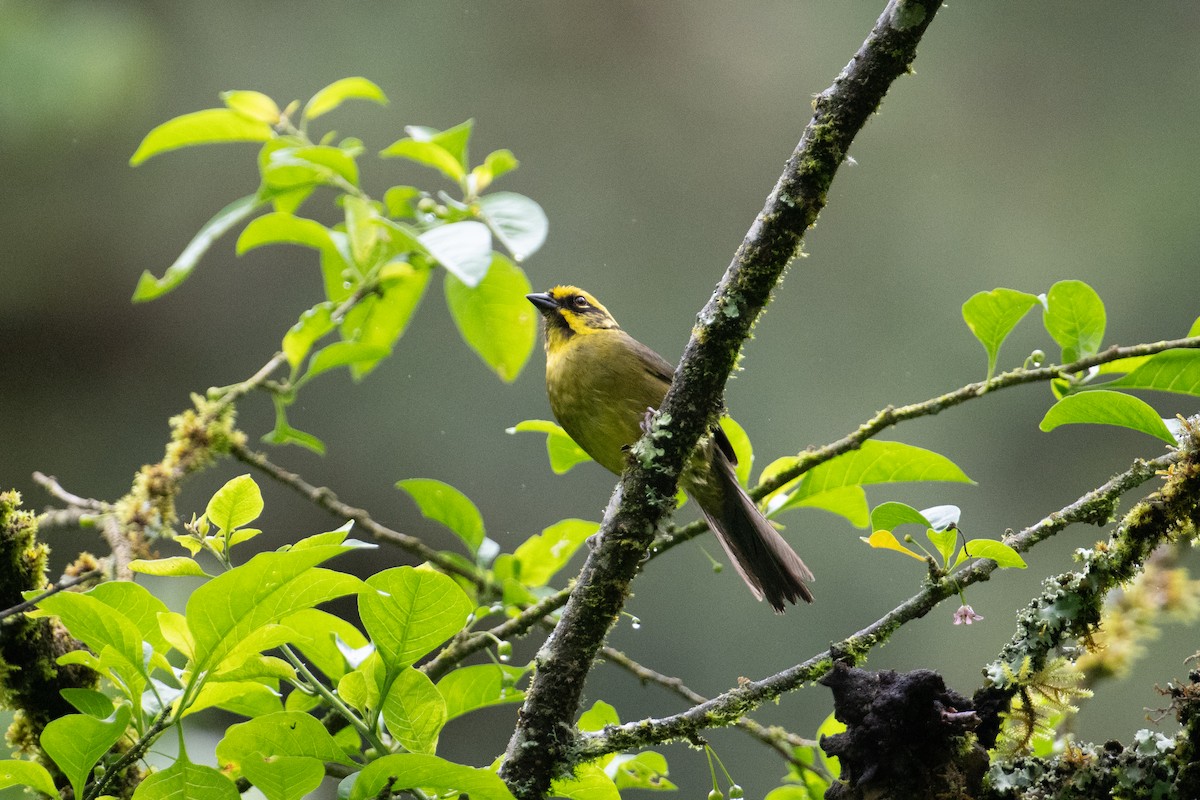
(579, 301)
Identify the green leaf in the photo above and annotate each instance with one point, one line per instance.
(429, 154)
(344, 354)
(407, 612)
(247, 698)
(599, 716)
(414, 711)
(891, 515)
(252, 105)
(172, 567)
(270, 586)
(400, 201)
(135, 603)
(278, 227)
(184, 780)
(331, 160)
(363, 687)
(1107, 408)
(284, 433)
(589, 782)
(340, 91)
(433, 774)
(381, 319)
(886, 540)
(497, 163)
(88, 701)
(518, 222)
(1169, 371)
(284, 777)
(848, 502)
(77, 741)
(943, 541)
(742, 450)
(479, 686)
(27, 773)
(201, 127)
(99, 626)
(151, 288)
(876, 462)
(442, 503)
(1075, 317)
(312, 325)
(463, 248)
(545, 553)
(1002, 554)
(235, 504)
(284, 733)
(318, 633)
(991, 316)
(646, 770)
(494, 317)
(561, 448)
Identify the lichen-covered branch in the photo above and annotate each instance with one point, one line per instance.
(542, 741)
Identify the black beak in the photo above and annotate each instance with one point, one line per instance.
(543, 301)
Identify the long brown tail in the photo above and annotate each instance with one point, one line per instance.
(761, 556)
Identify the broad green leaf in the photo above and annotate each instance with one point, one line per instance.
(497, 163)
(283, 433)
(284, 733)
(27, 773)
(340, 91)
(278, 227)
(267, 588)
(344, 354)
(742, 450)
(427, 154)
(318, 634)
(414, 711)
(172, 567)
(545, 553)
(442, 503)
(600, 715)
(175, 630)
(829, 727)
(235, 504)
(381, 319)
(452, 140)
(151, 288)
(796, 792)
(849, 502)
(646, 770)
(479, 686)
(1075, 317)
(943, 541)
(886, 540)
(77, 741)
(1107, 408)
(463, 248)
(991, 316)
(247, 698)
(561, 448)
(252, 105)
(407, 612)
(284, 777)
(518, 222)
(259, 667)
(436, 775)
(88, 701)
(891, 515)
(1002, 554)
(401, 201)
(589, 782)
(312, 325)
(1169, 371)
(494, 317)
(364, 687)
(99, 626)
(184, 780)
(134, 602)
(201, 127)
(333, 160)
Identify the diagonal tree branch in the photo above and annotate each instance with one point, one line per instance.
(542, 742)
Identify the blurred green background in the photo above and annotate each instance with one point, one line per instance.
(1035, 142)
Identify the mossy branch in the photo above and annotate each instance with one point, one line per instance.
(542, 742)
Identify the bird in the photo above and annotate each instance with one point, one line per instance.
(602, 383)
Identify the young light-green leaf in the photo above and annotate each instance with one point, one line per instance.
(284, 777)
(210, 126)
(184, 780)
(545, 553)
(517, 221)
(312, 325)
(646, 770)
(151, 288)
(407, 612)
(1002, 554)
(278, 227)
(135, 603)
(77, 741)
(1103, 407)
(494, 318)
(283, 733)
(468, 688)
(172, 567)
(991, 316)
(235, 504)
(848, 502)
(416, 770)
(463, 248)
(27, 773)
(561, 448)
(252, 105)
(443, 503)
(427, 154)
(1075, 317)
(344, 354)
(743, 451)
(891, 515)
(414, 711)
(1169, 371)
(340, 91)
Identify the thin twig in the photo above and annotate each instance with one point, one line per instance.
(63, 585)
(1094, 507)
(55, 489)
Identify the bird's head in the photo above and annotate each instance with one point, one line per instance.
(570, 311)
